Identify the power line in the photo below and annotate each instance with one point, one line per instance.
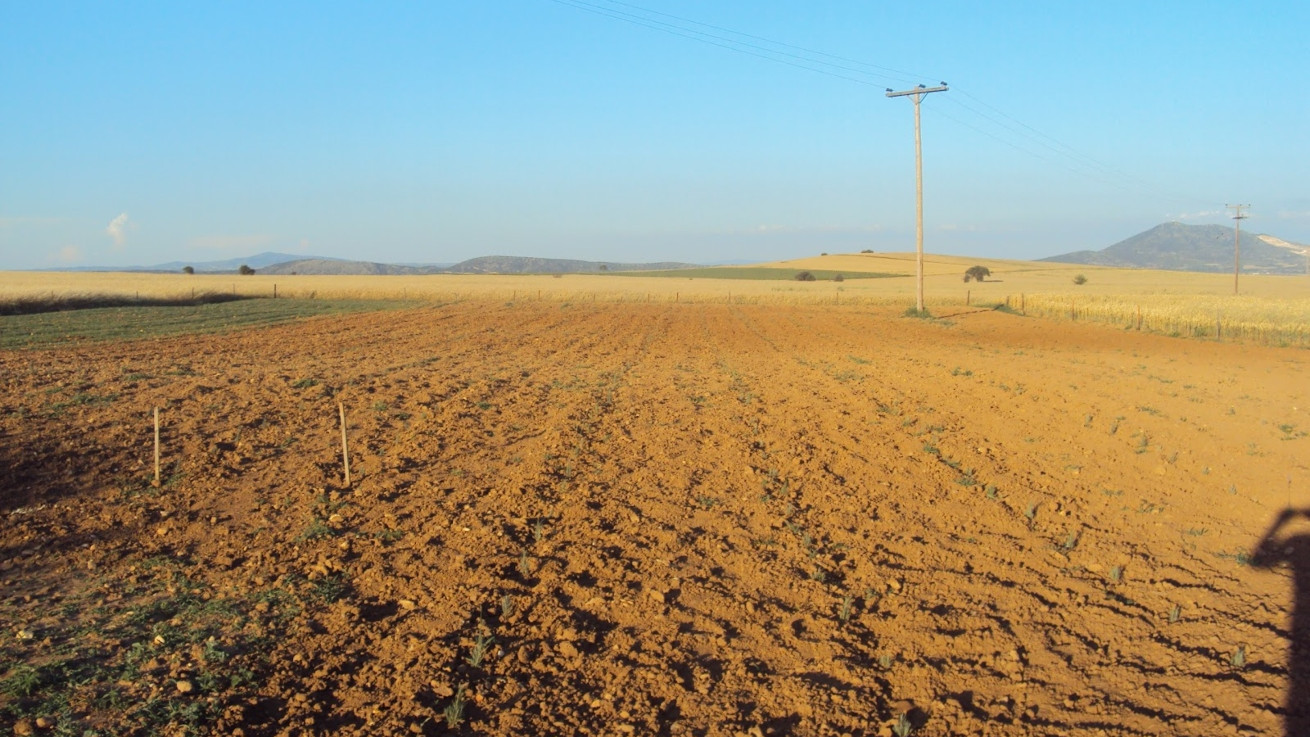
(904, 76)
(1015, 134)
(731, 44)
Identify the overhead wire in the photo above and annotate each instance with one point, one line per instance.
(782, 57)
(890, 73)
(1014, 134)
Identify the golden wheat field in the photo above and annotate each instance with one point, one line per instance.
(1270, 308)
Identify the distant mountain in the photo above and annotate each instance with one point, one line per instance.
(1179, 247)
(285, 263)
(340, 267)
(526, 265)
(258, 261)
(480, 265)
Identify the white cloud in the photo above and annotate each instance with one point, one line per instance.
(117, 229)
(69, 254)
(1195, 215)
(229, 242)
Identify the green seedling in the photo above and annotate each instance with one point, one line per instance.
(845, 613)
(903, 727)
(454, 711)
(1238, 658)
(1175, 614)
(538, 532)
(525, 564)
(479, 650)
(1143, 444)
(506, 605)
(1117, 574)
(1031, 512)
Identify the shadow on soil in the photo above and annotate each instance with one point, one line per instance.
(1279, 547)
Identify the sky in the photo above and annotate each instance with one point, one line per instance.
(660, 130)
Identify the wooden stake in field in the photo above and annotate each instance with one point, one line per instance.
(156, 481)
(345, 454)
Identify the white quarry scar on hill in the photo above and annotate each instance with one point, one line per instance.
(1280, 243)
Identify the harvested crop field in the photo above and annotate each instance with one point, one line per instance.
(655, 519)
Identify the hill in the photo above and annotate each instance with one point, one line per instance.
(527, 265)
(341, 267)
(480, 265)
(1179, 247)
(258, 261)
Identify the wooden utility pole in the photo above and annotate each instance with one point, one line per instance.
(917, 94)
(1237, 241)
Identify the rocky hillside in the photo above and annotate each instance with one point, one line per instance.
(1180, 247)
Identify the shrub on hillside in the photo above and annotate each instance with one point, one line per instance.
(805, 276)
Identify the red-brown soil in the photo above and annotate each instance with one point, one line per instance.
(679, 501)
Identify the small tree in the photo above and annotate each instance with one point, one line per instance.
(978, 273)
(805, 276)
(1080, 280)
(245, 270)
(188, 270)
(839, 277)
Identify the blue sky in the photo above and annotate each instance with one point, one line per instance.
(140, 133)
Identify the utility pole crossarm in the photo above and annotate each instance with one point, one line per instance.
(917, 91)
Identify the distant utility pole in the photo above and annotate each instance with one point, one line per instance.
(1237, 241)
(918, 94)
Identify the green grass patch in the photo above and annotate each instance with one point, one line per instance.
(757, 273)
(158, 321)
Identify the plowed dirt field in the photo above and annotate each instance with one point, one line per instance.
(655, 519)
